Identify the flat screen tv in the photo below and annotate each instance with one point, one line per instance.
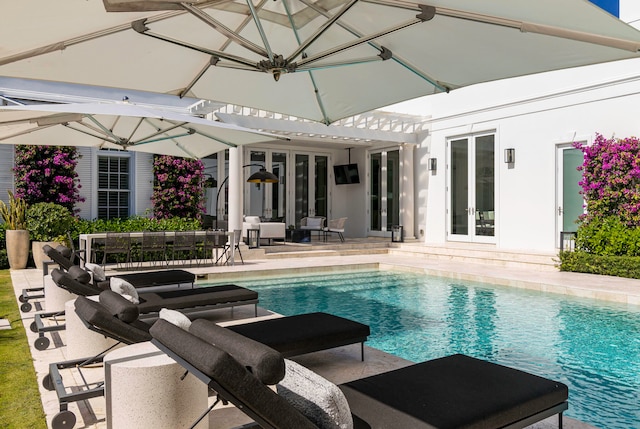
(346, 174)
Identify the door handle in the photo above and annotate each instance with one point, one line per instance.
(560, 211)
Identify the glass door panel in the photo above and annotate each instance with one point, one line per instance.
(459, 212)
(393, 189)
(321, 184)
(256, 206)
(375, 197)
(485, 186)
(301, 205)
(278, 191)
(569, 202)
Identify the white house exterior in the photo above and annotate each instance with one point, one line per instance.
(472, 195)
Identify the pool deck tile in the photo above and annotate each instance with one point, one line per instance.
(342, 364)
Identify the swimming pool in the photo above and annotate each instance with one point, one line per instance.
(592, 346)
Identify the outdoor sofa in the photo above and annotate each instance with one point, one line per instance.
(268, 230)
(451, 392)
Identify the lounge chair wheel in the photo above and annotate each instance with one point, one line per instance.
(41, 343)
(63, 420)
(26, 307)
(33, 327)
(47, 382)
(21, 298)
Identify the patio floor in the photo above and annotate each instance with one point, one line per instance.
(342, 364)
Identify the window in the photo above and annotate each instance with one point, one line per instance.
(113, 187)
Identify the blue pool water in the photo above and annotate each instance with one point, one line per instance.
(592, 346)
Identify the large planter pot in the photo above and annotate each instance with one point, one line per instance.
(38, 254)
(17, 248)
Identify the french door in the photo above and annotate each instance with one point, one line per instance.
(471, 189)
(384, 191)
(569, 204)
(302, 189)
(267, 200)
(311, 190)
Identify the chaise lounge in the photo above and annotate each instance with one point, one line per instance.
(188, 301)
(452, 392)
(116, 318)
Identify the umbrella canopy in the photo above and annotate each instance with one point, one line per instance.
(318, 59)
(122, 126)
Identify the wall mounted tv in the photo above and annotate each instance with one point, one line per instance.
(346, 174)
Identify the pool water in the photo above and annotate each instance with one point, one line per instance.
(592, 346)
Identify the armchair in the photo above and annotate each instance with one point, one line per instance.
(313, 223)
(268, 230)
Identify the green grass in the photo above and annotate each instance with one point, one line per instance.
(20, 404)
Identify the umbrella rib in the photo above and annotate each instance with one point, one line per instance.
(323, 28)
(140, 27)
(224, 46)
(224, 30)
(359, 41)
(98, 136)
(395, 58)
(316, 91)
(263, 35)
(103, 128)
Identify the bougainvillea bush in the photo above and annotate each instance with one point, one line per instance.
(47, 174)
(177, 187)
(611, 179)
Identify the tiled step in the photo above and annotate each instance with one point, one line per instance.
(480, 255)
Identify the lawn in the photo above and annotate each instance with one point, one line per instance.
(20, 405)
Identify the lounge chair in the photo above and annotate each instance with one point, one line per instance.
(452, 392)
(186, 300)
(116, 318)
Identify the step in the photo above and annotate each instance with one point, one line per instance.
(480, 255)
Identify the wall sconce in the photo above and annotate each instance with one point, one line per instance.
(433, 164)
(510, 156)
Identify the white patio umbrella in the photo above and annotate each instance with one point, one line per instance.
(122, 126)
(317, 59)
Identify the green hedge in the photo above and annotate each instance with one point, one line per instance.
(133, 224)
(583, 262)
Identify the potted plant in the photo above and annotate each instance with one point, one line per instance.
(48, 223)
(17, 236)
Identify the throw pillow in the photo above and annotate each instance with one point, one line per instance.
(123, 287)
(318, 399)
(98, 272)
(175, 317)
(314, 222)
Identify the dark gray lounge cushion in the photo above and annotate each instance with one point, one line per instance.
(64, 251)
(264, 362)
(95, 314)
(191, 298)
(456, 391)
(65, 281)
(119, 306)
(58, 257)
(79, 275)
(236, 383)
(304, 333)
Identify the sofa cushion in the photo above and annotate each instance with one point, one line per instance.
(252, 219)
(318, 399)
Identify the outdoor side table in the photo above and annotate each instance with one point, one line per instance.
(144, 388)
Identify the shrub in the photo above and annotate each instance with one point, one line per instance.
(178, 187)
(47, 174)
(609, 236)
(583, 262)
(48, 222)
